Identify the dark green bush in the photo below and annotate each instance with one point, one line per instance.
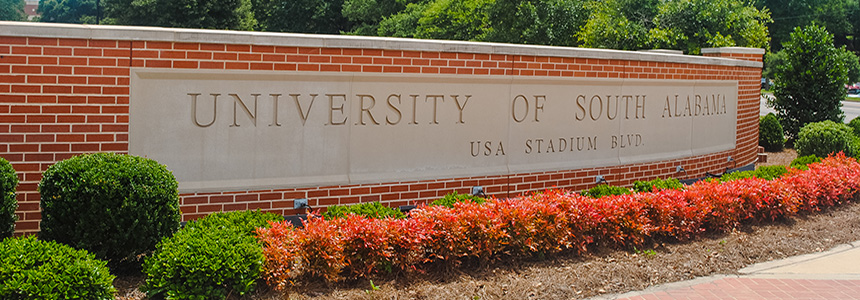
(374, 210)
(770, 133)
(602, 190)
(855, 126)
(801, 162)
(450, 199)
(824, 138)
(34, 269)
(113, 205)
(8, 201)
(209, 258)
(658, 184)
(763, 172)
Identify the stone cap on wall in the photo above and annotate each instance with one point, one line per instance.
(184, 35)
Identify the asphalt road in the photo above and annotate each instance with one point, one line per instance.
(851, 108)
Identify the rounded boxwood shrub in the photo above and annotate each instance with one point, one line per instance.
(770, 133)
(823, 138)
(114, 205)
(450, 199)
(209, 258)
(855, 126)
(8, 201)
(34, 269)
(763, 172)
(373, 210)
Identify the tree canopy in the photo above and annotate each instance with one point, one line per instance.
(12, 10)
(687, 25)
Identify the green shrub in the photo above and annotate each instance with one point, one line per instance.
(802, 162)
(770, 172)
(770, 133)
(602, 190)
(737, 175)
(763, 172)
(113, 205)
(8, 201)
(450, 199)
(658, 184)
(824, 138)
(855, 126)
(34, 269)
(209, 258)
(373, 210)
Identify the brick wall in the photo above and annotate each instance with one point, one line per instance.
(63, 96)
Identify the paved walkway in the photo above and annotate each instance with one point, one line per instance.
(834, 274)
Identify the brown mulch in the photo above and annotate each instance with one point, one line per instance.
(604, 271)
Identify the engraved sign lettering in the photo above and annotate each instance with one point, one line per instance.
(222, 130)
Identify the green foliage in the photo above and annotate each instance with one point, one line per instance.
(852, 65)
(763, 172)
(802, 162)
(210, 258)
(67, 11)
(113, 205)
(34, 269)
(808, 87)
(770, 133)
(855, 126)
(307, 16)
(690, 25)
(771, 60)
(373, 210)
(547, 22)
(8, 198)
(602, 190)
(450, 199)
(210, 14)
(12, 10)
(366, 15)
(823, 138)
(658, 184)
(620, 24)
(838, 16)
(687, 25)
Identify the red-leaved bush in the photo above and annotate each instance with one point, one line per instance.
(545, 223)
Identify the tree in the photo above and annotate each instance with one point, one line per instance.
(690, 25)
(687, 25)
(620, 24)
(12, 10)
(809, 86)
(307, 16)
(211, 14)
(839, 17)
(365, 15)
(67, 11)
(545, 22)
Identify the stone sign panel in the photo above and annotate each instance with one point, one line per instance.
(223, 130)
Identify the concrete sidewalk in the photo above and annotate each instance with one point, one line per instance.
(834, 274)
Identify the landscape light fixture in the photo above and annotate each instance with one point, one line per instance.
(301, 203)
(600, 179)
(478, 191)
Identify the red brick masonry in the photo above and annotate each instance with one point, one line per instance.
(64, 91)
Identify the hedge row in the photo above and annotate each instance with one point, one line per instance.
(544, 223)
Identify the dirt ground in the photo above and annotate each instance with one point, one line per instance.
(603, 271)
